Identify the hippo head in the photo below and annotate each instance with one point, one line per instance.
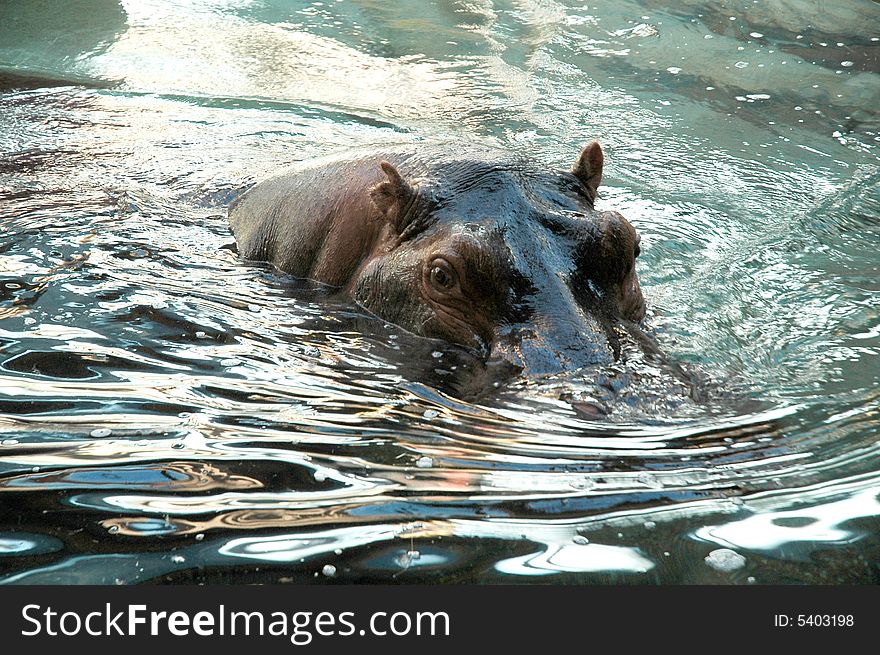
(506, 259)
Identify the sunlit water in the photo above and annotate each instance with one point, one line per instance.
(171, 413)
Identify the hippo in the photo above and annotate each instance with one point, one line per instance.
(479, 247)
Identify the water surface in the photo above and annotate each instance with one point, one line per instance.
(171, 413)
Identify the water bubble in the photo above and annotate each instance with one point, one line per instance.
(113, 529)
(329, 570)
(750, 579)
(756, 35)
(232, 361)
(847, 64)
(430, 413)
(8, 442)
(424, 462)
(200, 536)
(752, 96)
(178, 559)
(741, 64)
(675, 70)
(725, 560)
(404, 560)
(319, 476)
(436, 354)
(708, 36)
(650, 525)
(201, 335)
(100, 432)
(581, 541)
(338, 551)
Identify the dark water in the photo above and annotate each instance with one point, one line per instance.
(170, 413)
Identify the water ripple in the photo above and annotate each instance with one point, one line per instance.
(170, 413)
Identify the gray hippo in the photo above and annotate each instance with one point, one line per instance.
(476, 246)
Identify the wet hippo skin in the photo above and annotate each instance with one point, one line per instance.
(479, 247)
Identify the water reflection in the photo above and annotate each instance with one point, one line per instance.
(286, 548)
(815, 525)
(582, 558)
(170, 413)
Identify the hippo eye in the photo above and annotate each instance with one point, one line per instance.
(443, 277)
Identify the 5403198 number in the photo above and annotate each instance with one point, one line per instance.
(813, 620)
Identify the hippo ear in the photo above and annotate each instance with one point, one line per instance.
(392, 195)
(588, 167)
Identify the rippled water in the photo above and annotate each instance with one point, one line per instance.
(170, 413)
